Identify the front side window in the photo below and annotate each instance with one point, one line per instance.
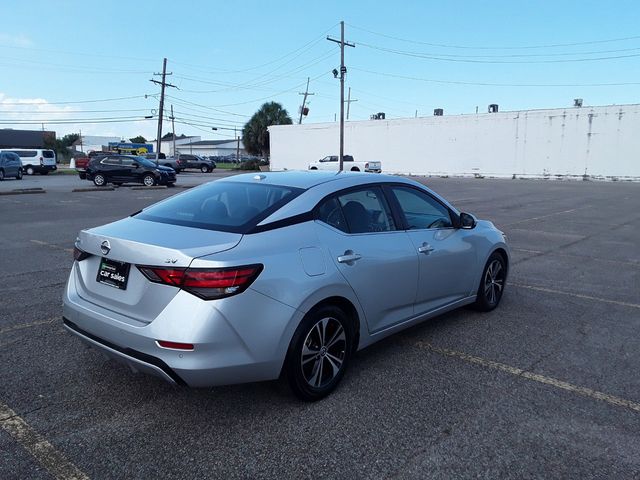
(366, 211)
(226, 206)
(421, 210)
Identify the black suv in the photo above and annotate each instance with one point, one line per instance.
(119, 169)
(194, 161)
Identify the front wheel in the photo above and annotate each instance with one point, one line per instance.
(204, 168)
(19, 176)
(1, 175)
(492, 284)
(30, 171)
(149, 180)
(99, 180)
(319, 353)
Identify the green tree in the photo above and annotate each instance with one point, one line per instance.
(255, 135)
(61, 145)
(138, 139)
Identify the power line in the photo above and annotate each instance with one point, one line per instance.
(75, 102)
(475, 47)
(428, 56)
(491, 84)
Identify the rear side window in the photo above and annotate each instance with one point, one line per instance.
(330, 212)
(26, 153)
(48, 154)
(226, 206)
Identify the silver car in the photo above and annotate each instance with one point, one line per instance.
(254, 276)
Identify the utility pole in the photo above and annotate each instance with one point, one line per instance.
(238, 144)
(343, 71)
(162, 84)
(304, 100)
(349, 102)
(81, 147)
(173, 129)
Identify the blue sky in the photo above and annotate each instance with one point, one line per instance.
(227, 58)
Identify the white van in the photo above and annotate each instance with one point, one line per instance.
(35, 160)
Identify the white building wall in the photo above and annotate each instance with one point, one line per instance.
(596, 141)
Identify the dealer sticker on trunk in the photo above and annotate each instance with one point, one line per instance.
(113, 273)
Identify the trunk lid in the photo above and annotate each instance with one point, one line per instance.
(141, 242)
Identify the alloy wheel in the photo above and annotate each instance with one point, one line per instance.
(98, 180)
(149, 181)
(494, 282)
(323, 352)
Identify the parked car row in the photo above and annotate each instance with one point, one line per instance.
(34, 160)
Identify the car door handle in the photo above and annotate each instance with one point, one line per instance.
(349, 257)
(425, 248)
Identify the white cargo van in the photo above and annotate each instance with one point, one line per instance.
(35, 160)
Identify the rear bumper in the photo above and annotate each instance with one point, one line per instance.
(137, 361)
(236, 340)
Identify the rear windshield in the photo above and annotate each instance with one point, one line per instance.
(48, 154)
(226, 206)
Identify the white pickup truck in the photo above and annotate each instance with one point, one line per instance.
(349, 164)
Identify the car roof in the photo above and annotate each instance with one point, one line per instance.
(307, 179)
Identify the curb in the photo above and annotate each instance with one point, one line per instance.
(24, 191)
(100, 189)
(157, 187)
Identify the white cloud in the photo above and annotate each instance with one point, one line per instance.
(15, 40)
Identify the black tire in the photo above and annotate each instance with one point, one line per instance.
(204, 168)
(19, 176)
(171, 184)
(316, 361)
(355, 169)
(99, 180)
(30, 170)
(149, 180)
(1, 175)
(492, 283)
(313, 168)
(178, 170)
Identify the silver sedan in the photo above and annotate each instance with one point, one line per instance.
(256, 276)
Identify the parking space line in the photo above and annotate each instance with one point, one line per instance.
(576, 295)
(545, 216)
(51, 245)
(586, 392)
(27, 325)
(37, 446)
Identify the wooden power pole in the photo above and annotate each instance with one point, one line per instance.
(343, 71)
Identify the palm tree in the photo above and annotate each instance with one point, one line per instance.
(255, 135)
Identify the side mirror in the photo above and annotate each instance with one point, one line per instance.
(135, 164)
(467, 221)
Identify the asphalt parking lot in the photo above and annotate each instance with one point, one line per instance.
(546, 386)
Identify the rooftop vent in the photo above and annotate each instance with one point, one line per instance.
(577, 102)
(493, 108)
(438, 112)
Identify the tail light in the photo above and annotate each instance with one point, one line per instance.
(366, 165)
(206, 283)
(41, 161)
(80, 255)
